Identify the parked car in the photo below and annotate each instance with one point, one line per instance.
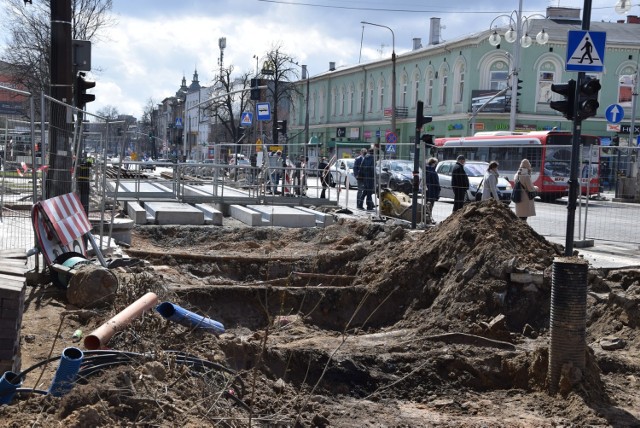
(475, 170)
(148, 164)
(339, 169)
(396, 175)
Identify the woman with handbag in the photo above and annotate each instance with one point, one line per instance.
(490, 180)
(525, 207)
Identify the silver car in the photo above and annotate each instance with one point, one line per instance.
(340, 169)
(475, 171)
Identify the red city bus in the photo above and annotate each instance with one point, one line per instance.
(548, 151)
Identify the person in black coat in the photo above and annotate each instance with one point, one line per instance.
(367, 171)
(433, 186)
(459, 183)
(323, 171)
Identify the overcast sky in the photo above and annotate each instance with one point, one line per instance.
(155, 42)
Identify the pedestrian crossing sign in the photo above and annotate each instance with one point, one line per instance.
(391, 148)
(246, 118)
(585, 51)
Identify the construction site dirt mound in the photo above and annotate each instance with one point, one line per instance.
(359, 324)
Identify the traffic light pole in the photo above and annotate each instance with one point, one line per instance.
(574, 185)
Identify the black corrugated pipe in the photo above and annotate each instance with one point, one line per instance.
(568, 317)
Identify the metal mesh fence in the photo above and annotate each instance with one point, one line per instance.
(20, 168)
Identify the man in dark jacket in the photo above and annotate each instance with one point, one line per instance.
(433, 186)
(358, 174)
(323, 171)
(459, 183)
(367, 171)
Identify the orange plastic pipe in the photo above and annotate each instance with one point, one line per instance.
(101, 336)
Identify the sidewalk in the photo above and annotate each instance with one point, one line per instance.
(606, 254)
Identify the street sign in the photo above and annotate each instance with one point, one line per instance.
(178, 122)
(264, 111)
(391, 138)
(246, 119)
(391, 148)
(378, 133)
(614, 113)
(613, 127)
(585, 51)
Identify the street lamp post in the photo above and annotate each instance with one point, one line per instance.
(393, 73)
(523, 41)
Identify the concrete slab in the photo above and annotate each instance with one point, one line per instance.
(285, 216)
(136, 212)
(211, 215)
(322, 219)
(174, 213)
(246, 215)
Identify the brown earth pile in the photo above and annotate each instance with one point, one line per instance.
(358, 324)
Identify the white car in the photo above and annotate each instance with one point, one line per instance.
(340, 169)
(475, 171)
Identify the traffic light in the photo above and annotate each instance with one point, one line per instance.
(568, 91)
(588, 98)
(282, 127)
(255, 92)
(81, 96)
(420, 119)
(518, 87)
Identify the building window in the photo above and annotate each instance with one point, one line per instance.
(314, 98)
(498, 79)
(626, 83)
(444, 82)
(334, 102)
(429, 95)
(403, 101)
(416, 90)
(351, 100)
(361, 103)
(321, 105)
(371, 97)
(460, 85)
(545, 80)
(381, 96)
(343, 100)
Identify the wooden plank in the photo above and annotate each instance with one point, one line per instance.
(13, 270)
(14, 253)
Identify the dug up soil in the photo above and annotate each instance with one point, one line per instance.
(359, 324)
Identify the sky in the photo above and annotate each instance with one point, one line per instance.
(154, 43)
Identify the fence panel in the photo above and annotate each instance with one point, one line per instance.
(20, 168)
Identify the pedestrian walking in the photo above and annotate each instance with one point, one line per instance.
(323, 171)
(367, 170)
(433, 187)
(525, 208)
(360, 178)
(459, 183)
(490, 182)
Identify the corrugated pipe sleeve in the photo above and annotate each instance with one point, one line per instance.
(67, 372)
(9, 383)
(187, 318)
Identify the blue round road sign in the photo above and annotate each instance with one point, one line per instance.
(614, 113)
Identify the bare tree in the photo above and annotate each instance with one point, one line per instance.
(108, 112)
(228, 108)
(28, 30)
(280, 90)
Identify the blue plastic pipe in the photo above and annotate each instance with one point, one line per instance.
(9, 383)
(67, 372)
(188, 319)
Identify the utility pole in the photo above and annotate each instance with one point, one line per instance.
(58, 180)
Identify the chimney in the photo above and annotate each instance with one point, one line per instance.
(564, 15)
(434, 32)
(633, 19)
(417, 43)
(332, 66)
